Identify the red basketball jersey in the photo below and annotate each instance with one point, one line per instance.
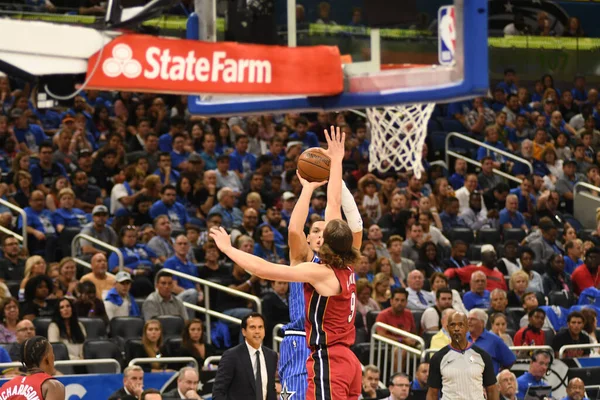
(24, 387)
(330, 320)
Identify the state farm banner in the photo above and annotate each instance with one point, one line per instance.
(143, 63)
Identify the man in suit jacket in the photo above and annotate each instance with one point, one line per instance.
(247, 371)
(133, 383)
(187, 386)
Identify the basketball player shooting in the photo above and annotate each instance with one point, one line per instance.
(334, 372)
(37, 356)
(293, 351)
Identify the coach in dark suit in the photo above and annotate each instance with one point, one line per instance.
(247, 371)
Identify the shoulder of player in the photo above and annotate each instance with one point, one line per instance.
(53, 385)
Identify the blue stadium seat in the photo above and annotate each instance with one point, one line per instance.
(452, 125)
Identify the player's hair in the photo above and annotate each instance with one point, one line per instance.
(33, 351)
(337, 250)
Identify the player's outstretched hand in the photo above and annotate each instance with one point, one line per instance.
(335, 143)
(309, 185)
(221, 238)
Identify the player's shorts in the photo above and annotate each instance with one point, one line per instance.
(333, 373)
(293, 353)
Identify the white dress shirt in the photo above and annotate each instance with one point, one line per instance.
(263, 367)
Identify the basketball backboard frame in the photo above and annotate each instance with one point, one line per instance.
(366, 85)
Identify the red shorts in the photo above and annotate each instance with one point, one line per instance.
(334, 373)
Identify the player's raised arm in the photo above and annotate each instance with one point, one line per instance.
(353, 217)
(335, 151)
(310, 272)
(299, 249)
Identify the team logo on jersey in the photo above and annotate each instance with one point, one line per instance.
(446, 35)
(285, 395)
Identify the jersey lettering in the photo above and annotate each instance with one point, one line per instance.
(352, 307)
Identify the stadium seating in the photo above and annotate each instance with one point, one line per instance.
(94, 328)
(172, 325)
(101, 348)
(41, 325)
(126, 327)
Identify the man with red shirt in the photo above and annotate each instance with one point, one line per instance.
(495, 279)
(398, 316)
(586, 275)
(532, 334)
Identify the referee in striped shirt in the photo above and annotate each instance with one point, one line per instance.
(461, 370)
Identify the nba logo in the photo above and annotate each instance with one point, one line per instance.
(446, 35)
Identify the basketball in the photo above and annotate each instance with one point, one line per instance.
(314, 165)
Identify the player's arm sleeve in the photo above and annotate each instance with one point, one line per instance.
(224, 376)
(435, 374)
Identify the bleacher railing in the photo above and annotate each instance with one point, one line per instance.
(488, 147)
(207, 311)
(518, 350)
(212, 360)
(23, 237)
(393, 351)
(97, 242)
(566, 347)
(165, 360)
(276, 338)
(60, 363)
(583, 201)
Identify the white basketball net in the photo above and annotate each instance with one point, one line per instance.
(397, 137)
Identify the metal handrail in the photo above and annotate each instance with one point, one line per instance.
(208, 284)
(401, 346)
(587, 186)
(486, 146)
(276, 338)
(72, 362)
(427, 351)
(516, 349)
(163, 360)
(23, 236)
(100, 243)
(577, 346)
(211, 360)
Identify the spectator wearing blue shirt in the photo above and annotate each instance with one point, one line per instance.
(185, 289)
(29, 136)
(574, 249)
(491, 139)
(240, 160)
(66, 216)
(275, 151)
(209, 153)
(45, 171)
(231, 216)
(80, 106)
(478, 296)
(579, 93)
(41, 234)
(457, 180)
(265, 246)
(525, 197)
(165, 141)
(510, 217)
(502, 356)
(138, 260)
(179, 157)
(167, 205)
(539, 365)
(449, 216)
(168, 176)
(308, 139)
(508, 84)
